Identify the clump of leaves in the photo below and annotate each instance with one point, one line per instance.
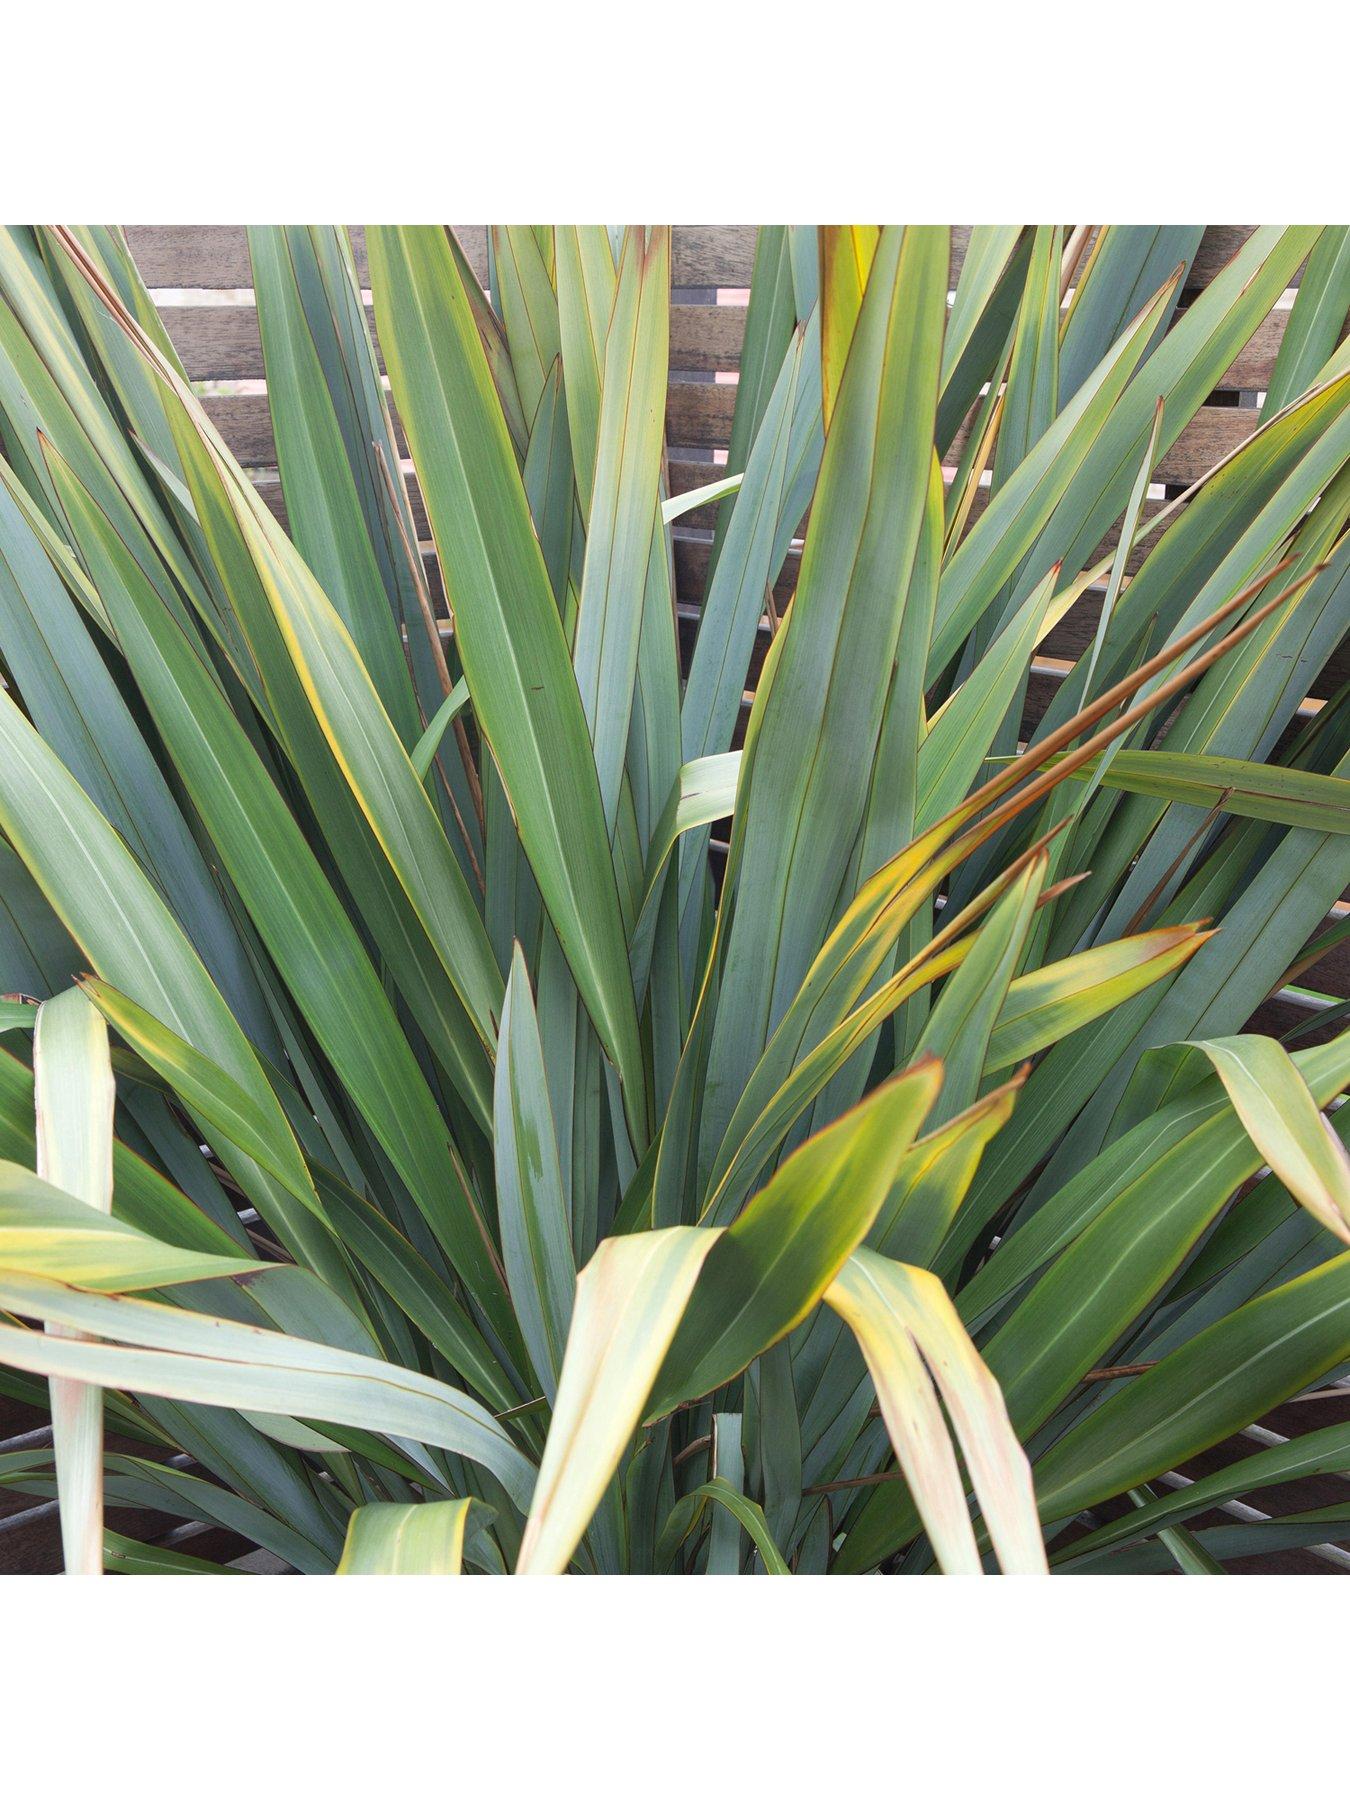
(455, 1159)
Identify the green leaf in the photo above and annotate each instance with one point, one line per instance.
(1322, 1452)
(961, 1024)
(1210, 1387)
(323, 507)
(532, 1208)
(847, 253)
(705, 790)
(1273, 1102)
(1317, 321)
(17, 1015)
(996, 544)
(124, 1556)
(215, 1362)
(690, 1508)
(45, 1230)
(584, 265)
(424, 750)
(1251, 790)
(218, 1100)
(771, 1266)
(679, 504)
(508, 631)
(1127, 264)
(1049, 1003)
(426, 1539)
(114, 912)
(802, 799)
(935, 1178)
(623, 500)
(301, 920)
(986, 258)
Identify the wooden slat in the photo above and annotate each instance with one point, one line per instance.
(699, 414)
(221, 343)
(216, 256)
(216, 343)
(712, 255)
(706, 337)
(1212, 434)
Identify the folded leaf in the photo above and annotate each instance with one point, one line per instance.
(1273, 1102)
(384, 1539)
(73, 1083)
(46, 1231)
(630, 1298)
(181, 1355)
(899, 1315)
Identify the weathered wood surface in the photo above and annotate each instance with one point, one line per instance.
(698, 417)
(221, 343)
(216, 256)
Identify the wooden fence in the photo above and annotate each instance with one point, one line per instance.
(203, 281)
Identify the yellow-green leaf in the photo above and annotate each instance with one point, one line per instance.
(387, 1539)
(1281, 1117)
(904, 1320)
(630, 1298)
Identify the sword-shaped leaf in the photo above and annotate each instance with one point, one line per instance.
(532, 1208)
(508, 631)
(629, 1301)
(908, 1330)
(165, 1350)
(1273, 1101)
(385, 1539)
(771, 1266)
(73, 1082)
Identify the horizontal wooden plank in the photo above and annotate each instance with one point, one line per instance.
(222, 343)
(216, 256)
(1212, 434)
(699, 415)
(712, 255)
(706, 337)
(686, 473)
